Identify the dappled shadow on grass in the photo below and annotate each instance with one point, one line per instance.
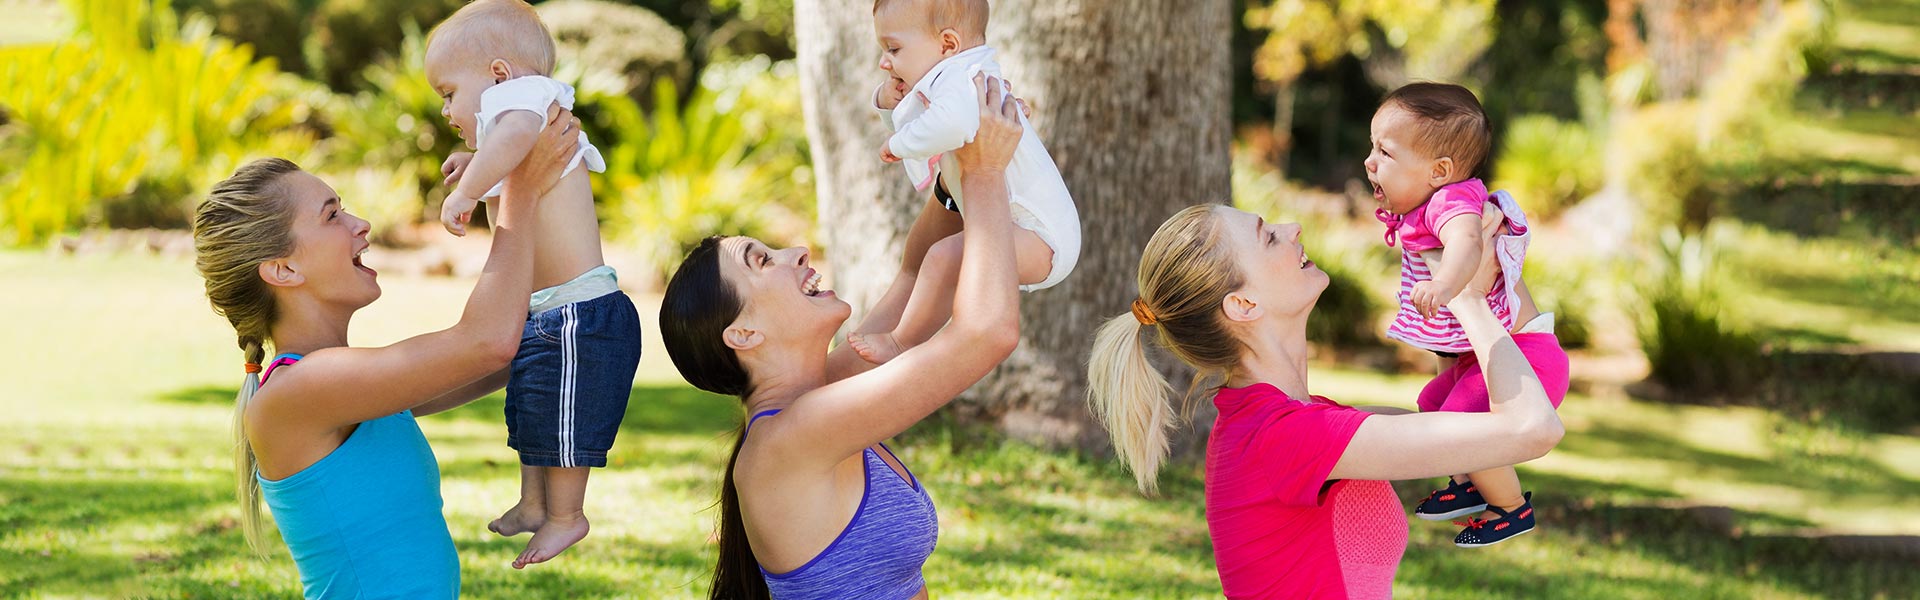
(68, 532)
(1852, 393)
(1833, 474)
(205, 394)
(650, 408)
(1884, 210)
(1623, 546)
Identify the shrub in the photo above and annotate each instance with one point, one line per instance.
(122, 123)
(1692, 344)
(730, 159)
(1549, 163)
(626, 44)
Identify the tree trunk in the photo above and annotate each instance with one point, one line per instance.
(1131, 98)
(865, 206)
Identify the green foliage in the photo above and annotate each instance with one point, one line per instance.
(331, 41)
(626, 47)
(117, 125)
(730, 159)
(1549, 164)
(1691, 342)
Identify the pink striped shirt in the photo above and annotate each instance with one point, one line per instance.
(1419, 230)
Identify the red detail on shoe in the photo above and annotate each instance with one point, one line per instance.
(1524, 513)
(1471, 523)
(1447, 498)
(1501, 526)
(1470, 488)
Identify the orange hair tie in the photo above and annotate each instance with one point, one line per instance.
(1142, 314)
(253, 368)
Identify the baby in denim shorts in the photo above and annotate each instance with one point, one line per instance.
(568, 387)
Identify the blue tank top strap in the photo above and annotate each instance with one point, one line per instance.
(756, 416)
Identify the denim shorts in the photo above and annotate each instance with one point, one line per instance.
(570, 382)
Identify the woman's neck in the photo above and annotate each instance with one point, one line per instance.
(789, 375)
(1275, 355)
(304, 328)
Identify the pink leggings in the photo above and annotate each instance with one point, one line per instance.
(1463, 389)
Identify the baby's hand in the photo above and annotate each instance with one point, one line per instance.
(1427, 298)
(886, 153)
(456, 212)
(455, 166)
(889, 95)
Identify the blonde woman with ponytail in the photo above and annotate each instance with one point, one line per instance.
(325, 433)
(1298, 504)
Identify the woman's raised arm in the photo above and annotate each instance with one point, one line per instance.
(344, 385)
(1521, 427)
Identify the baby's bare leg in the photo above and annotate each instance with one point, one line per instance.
(531, 512)
(931, 305)
(566, 522)
(928, 309)
(1501, 487)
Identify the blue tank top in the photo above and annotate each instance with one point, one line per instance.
(365, 522)
(880, 553)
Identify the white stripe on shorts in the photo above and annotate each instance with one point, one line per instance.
(569, 364)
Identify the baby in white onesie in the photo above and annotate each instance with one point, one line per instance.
(931, 51)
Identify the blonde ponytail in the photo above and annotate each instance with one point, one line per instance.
(246, 220)
(246, 483)
(1130, 398)
(1185, 273)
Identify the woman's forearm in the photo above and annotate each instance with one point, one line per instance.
(1513, 389)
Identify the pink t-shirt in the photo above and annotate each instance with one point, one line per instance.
(1279, 528)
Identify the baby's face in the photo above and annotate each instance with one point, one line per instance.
(907, 48)
(459, 84)
(1402, 177)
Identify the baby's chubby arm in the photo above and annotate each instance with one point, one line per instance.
(950, 121)
(510, 138)
(1460, 237)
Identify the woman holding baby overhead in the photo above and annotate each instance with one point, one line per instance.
(813, 504)
(1298, 505)
(326, 432)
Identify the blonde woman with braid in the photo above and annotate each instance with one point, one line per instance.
(325, 433)
(1298, 504)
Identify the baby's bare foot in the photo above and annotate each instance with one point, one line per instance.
(876, 348)
(519, 519)
(553, 537)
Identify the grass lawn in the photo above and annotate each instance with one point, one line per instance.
(114, 481)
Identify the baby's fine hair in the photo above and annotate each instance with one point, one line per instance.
(1451, 123)
(489, 29)
(969, 17)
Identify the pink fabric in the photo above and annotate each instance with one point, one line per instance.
(1443, 333)
(1462, 388)
(1280, 529)
(1420, 229)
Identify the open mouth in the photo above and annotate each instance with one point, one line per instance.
(811, 286)
(1378, 192)
(356, 260)
(1304, 263)
(900, 85)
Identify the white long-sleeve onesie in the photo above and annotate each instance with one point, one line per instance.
(942, 113)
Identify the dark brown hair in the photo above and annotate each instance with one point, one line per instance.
(698, 306)
(1452, 124)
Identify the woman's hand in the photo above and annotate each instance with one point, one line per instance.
(993, 145)
(1483, 276)
(557, 144)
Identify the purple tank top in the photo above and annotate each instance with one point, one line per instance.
(880, 553)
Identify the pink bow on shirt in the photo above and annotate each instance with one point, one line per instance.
(1393, 225)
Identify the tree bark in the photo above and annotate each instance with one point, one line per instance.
(1131, 98)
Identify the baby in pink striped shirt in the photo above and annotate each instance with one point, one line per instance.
(1429, 141)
